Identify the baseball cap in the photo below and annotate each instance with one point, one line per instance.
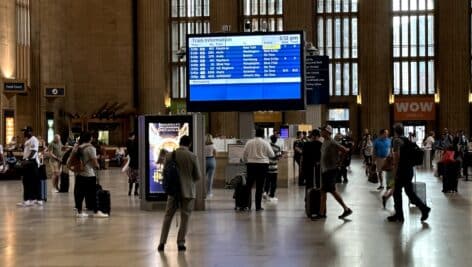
(327, 128)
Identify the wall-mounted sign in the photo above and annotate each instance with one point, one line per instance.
(15, 87)
(54, 91)
(317, 80)
(414, 108)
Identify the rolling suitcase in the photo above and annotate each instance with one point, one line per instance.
(451, 177)
(419, 188)
(64, 182)
(242, 200)
(312, 202)
(103, 200)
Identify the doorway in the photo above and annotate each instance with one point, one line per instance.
(418, 129)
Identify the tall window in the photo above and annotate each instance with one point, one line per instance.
(336, 36)
(187, 17)
(263, 15)
(23, 42)
(413, 47)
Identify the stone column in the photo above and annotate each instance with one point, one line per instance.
(152, 44)
(453, 63)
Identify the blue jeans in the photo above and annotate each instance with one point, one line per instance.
(210, 172)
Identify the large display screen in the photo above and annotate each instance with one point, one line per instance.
(163, 136)
(245, 72)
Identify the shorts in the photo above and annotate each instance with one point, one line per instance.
(328, 181)
(390, 179)
(55, 166)
(379, 162)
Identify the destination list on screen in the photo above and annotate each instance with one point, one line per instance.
(255, 67)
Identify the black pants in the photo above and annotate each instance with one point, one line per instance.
(31, 182)
(404, 180)
(85, 187)
(256, 172)
(312, 175)
(271, 184)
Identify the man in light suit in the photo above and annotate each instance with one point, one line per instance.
(189, 174)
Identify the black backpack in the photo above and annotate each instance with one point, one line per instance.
(171, 178)
(410, 154)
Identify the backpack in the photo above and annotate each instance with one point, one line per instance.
(75, 163)
(414, 154)
(171, 178)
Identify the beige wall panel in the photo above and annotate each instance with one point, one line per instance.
(375, 62)
(85, 45)
(453, 63)
(154, 80)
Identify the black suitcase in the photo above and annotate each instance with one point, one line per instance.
(242, 200)
(451, 177)
(312, 202)
(64, 182)
(103, 200)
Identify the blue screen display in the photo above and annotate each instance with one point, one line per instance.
(245, 67)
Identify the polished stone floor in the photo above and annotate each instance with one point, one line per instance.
(279, 236)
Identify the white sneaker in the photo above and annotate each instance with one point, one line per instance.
(56, 191)
(209, 196)
(39, 202)
(265, 196)
(273, 199)
(100, 214)
(81, 214)
(26, 203)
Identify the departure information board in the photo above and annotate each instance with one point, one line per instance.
(256, 67)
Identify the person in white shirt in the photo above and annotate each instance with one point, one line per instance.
(256, 154)
(210, 163)
(428, 146)
(30, 171)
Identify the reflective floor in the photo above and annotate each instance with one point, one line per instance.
(279, 236)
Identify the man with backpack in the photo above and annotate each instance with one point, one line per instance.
(182, 167)
(404, 159)
(83, 162)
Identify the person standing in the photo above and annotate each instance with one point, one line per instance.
(86, 179)
(30, 165)
(210, 163)
(271, 181)
(404, 172)
(297, 155)
(311, 160)
(330, 150)
(256, 154)
(55, 159)
(381, 150)
(189, 174)
(428, 146)
(132, 151)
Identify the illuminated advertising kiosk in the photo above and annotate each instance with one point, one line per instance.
(158, 136)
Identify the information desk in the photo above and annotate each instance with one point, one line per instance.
(285, 171)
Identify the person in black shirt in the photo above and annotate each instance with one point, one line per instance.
(297, 155)
(133, 167)
(310, 160)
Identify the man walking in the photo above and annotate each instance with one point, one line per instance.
(256, 155)
(330, 150)
(381, 150)
(30, 165)
(403, 171)
(189, 174)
